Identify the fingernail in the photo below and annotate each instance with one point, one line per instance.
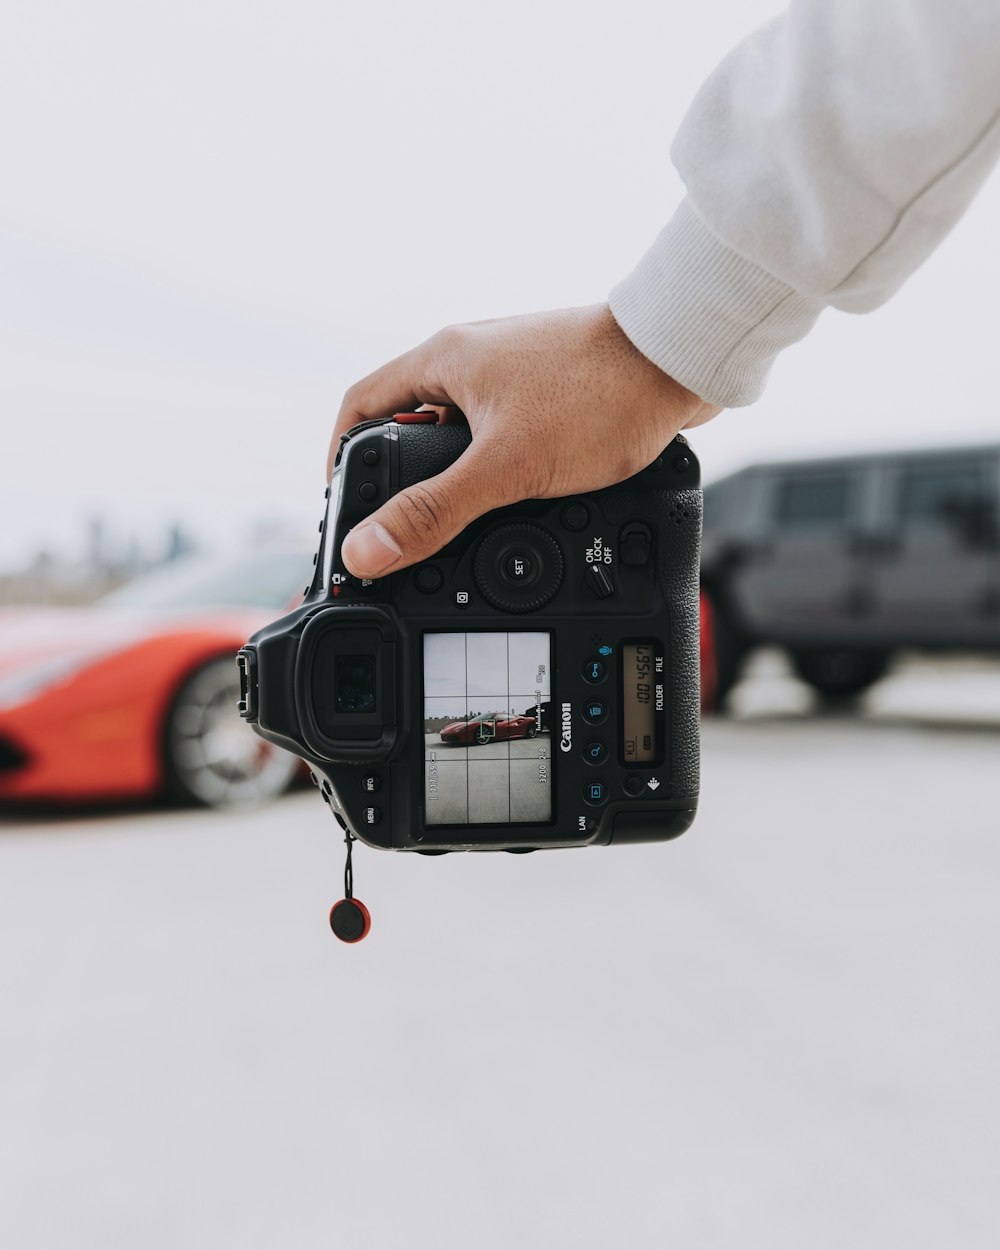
(369, 551)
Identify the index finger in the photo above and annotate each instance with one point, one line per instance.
(396, 387)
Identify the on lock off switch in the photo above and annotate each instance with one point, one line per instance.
(599, 581)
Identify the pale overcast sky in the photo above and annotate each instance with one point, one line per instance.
(215, 215)
(477, 666)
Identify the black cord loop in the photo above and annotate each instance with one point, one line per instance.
(349, 867)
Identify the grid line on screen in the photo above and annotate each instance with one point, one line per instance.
(507, 711)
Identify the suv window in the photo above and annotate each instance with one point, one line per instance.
(937, 492)
(813, 499)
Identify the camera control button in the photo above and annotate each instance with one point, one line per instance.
(633, 786)
(370, 783)
(368, 491)
(369, 456)
(428, 579)
(575, 516)
(599, 581)
(371, 815)
(595, 793)
(461, 598)
(519, 567)
(636, 544)
(595, 752)
(594, 712)
(595, 670)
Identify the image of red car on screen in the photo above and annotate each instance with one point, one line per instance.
(482, 732)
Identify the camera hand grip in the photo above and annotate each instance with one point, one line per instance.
(427, 450)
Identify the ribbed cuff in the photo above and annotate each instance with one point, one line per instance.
(707, 316)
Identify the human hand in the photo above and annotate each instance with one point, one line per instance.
(558, 403)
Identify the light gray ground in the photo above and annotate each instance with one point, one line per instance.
(781, 1031)
(498, 782)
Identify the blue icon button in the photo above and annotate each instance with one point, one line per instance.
(594, 670)
(595, 792)
(594, 712)
(605, 650)
(595, 752)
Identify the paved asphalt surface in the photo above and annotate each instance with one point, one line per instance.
(495, 782)
(781, 1031)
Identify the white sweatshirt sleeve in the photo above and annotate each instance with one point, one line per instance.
(824, 160)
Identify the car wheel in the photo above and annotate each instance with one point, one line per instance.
(532, 731)
(723, 650)
(211, 756)
(839, 674)
(483, 736)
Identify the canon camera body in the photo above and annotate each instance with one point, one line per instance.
(534, 684)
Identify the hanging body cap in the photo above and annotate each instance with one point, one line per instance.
(350, 920)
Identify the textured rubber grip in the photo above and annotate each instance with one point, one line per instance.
(427, 450)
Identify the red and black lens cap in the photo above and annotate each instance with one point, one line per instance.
(349, 920)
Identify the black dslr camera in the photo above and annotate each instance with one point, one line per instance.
(534, 684)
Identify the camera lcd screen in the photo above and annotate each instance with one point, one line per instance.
(354, 683)
(487, 728)
(638, 705)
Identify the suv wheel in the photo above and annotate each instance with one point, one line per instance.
(839, 674)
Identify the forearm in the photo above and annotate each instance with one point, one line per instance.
(824, 160)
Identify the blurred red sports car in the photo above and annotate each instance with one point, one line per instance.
(709, 671)
(465, 733)
(136, 694)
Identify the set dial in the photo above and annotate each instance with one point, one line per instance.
(518, 567)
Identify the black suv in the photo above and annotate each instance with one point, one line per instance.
(844, 561)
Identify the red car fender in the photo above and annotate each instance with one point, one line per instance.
(100, 734)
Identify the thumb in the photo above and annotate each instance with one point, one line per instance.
(420, 520)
